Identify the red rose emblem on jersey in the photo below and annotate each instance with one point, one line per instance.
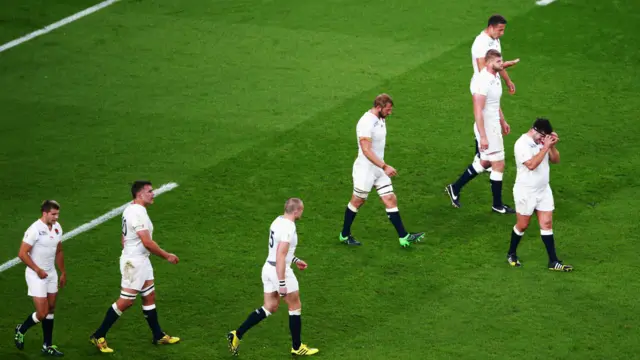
(57, 231)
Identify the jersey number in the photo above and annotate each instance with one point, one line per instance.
(271, 241)
(124, 226)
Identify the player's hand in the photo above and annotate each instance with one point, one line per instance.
(172, 258)
(62, 281)
(301, 265)
(42, 274)
(512, 87)
(389, 170)
(484, 144)
(282, 290)
(555, 135)
(550, 141)
(506, 129)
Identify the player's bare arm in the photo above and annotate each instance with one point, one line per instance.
(478, 107)
(554, 154)
(60, 264)
(23, 255)
(154, 248)
(507, 79)
(506, 129)
(281, 259)
(481, 63)
(535, 161)
(365, 144)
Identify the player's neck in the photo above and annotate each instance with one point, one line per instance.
(373, 112)
(44, 221)
(139, 202)
(486, 31)
(289, 217)
(491, 70)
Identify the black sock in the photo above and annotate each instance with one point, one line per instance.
(47, 330)
(109, 319)
(349, 216)
(515, 240)
(295, 326)
(464, 178)
(549, 243)
(152, 319)
(496, 190)
(394, 216)
(27, 324)
(252, 320)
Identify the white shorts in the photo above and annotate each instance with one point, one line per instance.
(41, 287)
(495, 152)
(270, 279)
(135, 271)
(366, 176)
(527, 200)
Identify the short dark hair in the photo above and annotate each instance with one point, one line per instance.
(382, 100)
(492, 54)
(543, 126)
(137, 186)
(48, 205)
(496, 20)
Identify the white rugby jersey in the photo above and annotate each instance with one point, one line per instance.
(484, 83)
(370, 126)
(44, 243)
(134, 219)
(282, 230)
(481, 45)
(538, 179)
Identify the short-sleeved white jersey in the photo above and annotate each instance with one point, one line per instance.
(481, 45)
(134, 219)
(489, 85)
(370, 126)
(282, 230)
(44, 243)
(537, 179)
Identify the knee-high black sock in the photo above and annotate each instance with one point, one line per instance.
(549, 243)
(394, 217)
(467, 175)
(151, 315)
(112, 315)
(252, 320)
(295, 326)
(496, 188)
(349, 215)
(516, 236)
(28, 323)
(47, 330)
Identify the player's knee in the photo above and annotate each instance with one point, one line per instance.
(271, 308)
(42, 313)
(546, 224)
(390, 200)
(485, 164)
(359, 197)
(356, 201)
(498, 166)
(148, 295)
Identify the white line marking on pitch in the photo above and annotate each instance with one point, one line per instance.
(93, 223)
(57, 24)
(544, 2)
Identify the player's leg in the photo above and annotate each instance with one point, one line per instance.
(270, 306)
(545, 219)
(478, 166)
(362, 184)
(525, 206)
(385, 191)
(497, 164)
(37, 290)
(295, 316)
(47, 323)
(150, 313)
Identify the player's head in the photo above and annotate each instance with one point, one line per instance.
(541, 128)
(50, 211)
(496, 25)
(493, 60)
(383, 105)
(142, 191)
(294, 207)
